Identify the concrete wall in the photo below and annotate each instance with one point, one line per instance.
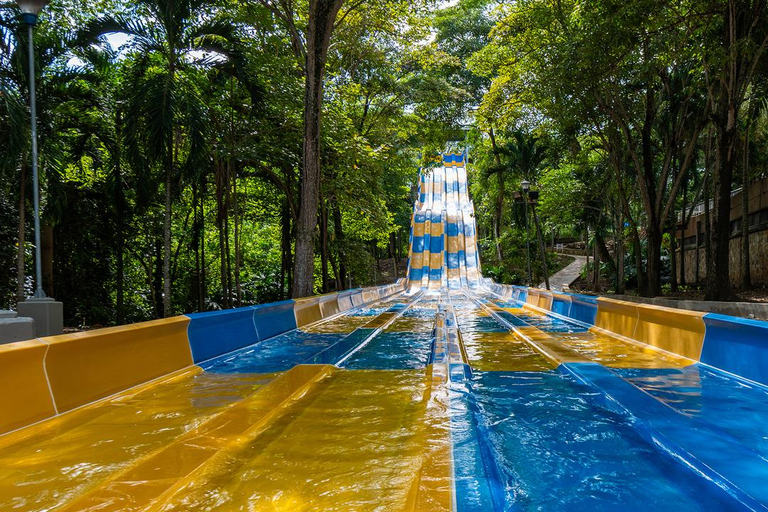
(758, 264)
(694, 233)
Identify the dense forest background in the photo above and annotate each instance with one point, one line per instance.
(176, 157)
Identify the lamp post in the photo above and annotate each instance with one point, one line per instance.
(533, 197)
(47, 313)
(526, 185)
(29, 11)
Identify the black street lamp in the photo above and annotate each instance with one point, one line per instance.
(29, 11)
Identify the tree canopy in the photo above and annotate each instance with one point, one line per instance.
(205, 154)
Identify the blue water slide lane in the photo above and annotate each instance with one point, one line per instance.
(736, 473)
(710, 396)
(279, 352)
(338, 352)
(395, 350)
(477, 477)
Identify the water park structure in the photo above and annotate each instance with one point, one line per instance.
(442, 391)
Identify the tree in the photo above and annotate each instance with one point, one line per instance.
(164, 101)
(738, 30)
(311, 49)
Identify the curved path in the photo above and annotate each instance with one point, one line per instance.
(567, 275)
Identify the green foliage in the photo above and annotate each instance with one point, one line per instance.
(610, 110)
(207, 97)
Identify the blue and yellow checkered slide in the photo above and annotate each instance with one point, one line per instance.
(443, 230)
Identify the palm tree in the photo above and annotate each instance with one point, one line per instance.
(165, 113)
(60, 94)
(14, 126)
(519, 157)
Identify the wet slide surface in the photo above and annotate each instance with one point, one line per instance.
(424, 401)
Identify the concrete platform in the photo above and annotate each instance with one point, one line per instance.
(13, 328)
(47, 313)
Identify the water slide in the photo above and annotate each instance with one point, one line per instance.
(444, 391)
(443, 244)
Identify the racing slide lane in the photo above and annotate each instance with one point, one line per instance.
(708, 420)
(545, 441)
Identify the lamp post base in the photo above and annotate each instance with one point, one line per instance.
(47, 313)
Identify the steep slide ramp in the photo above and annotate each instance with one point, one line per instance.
(443, 252)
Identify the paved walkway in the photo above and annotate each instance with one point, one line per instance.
(568, 274)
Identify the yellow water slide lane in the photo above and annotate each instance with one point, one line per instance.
(48, 465)
(611, 351)
(360, 440)
(143, 484)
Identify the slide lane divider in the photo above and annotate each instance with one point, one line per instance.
(432, 487)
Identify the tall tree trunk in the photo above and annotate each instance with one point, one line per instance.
(238, 288)
(641, 281)
(596, 265)
(221, 213)
(285, 246)
(649, 194)
(324, 246)
(602, 250)
(21, 250)
(673, 259)
(586, 250)
(683, 225)
(653, 270)
(157, 279)
(196, 242)
(203, 287)
(46, 250)
(497, 218)
(120, 277)
(673, 236)
(167, 308)
(227, 250)
(120, 221)
(393, 252)
(746, 274)
(322, 16)
(718, 267)
(335, 268)
(707, 228)
(620, 274)
(339, 235)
